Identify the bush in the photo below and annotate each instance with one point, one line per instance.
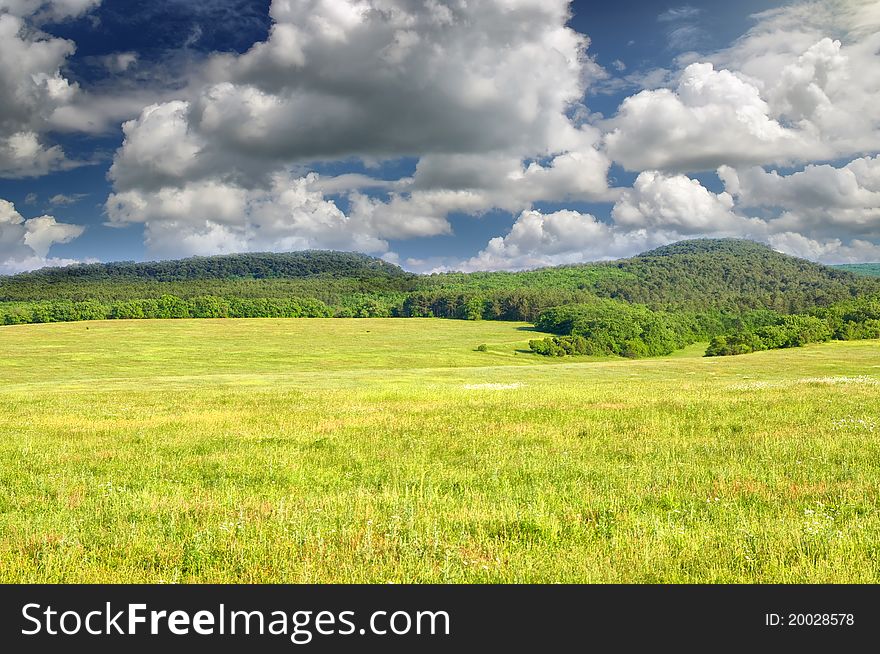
(131, 310)
(561, 346)
(208, 307)
(788, 331)
(372, 309)
(717, 347)
(611, 327)
(90, 310)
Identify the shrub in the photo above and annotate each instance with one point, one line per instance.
(561, 346)
(788, 331)
(614, 327)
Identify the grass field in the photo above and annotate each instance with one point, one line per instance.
(392, 451)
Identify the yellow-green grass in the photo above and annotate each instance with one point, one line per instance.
(393, 451)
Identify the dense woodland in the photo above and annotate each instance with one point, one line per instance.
(740, 295)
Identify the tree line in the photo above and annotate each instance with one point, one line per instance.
(611, 327)
(165, 307)
(845, 321)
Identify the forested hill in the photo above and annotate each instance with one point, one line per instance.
(263, 265)
(697, 275)
(728, 273)
(324, 275)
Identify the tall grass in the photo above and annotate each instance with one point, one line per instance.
(393, 451)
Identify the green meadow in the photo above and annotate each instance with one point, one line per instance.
(383, 450)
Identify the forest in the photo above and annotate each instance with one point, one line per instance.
(740, 296)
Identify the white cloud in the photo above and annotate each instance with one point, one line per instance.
(829, 250)
(24, 244)
(100, 111)
(211, 217)
(382, 79)
(680, 204)
(676, 14)
(43, 232)
(158, 149)
(36, 98)
(119, 62)
(683, 29)
(578, 174)
(659, 209)
(822, 213)
(537, 239)
(712, 118)
(64, 200)
(800, 86)
(481, 93)
(487, 96)
(820, 199)
(31, 88)
(476, 183)
(23, 155)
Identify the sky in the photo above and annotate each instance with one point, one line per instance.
(436, 134)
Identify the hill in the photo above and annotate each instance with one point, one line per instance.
(313, 273)
(696, 275)
(691, 275)
(260, 265)
(729, 273)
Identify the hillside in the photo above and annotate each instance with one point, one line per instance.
(729, 273)
(260, 265)
(314, 273)
(697, 275)
(693, 275)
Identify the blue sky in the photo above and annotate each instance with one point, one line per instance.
(436, 134)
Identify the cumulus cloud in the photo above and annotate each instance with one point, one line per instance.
(538, 239)
(158, 149)
(484, 76)
(32, 86)
(801, 85)
(824, 213)
(680, 204)
(712, 118)
(658, 209)
(476, 183)
(211, 217)
(23, 155)
(829, 250)
(25, 244)
(487, 98)
(820, 199)
(483, 94)
(36, 98)
(383, 78)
